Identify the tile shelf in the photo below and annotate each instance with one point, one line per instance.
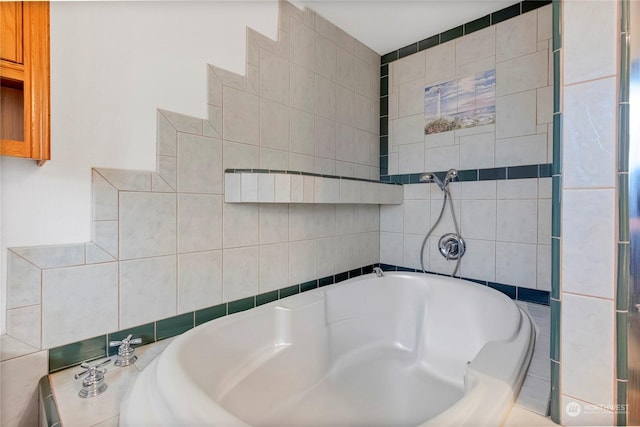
(265, 186)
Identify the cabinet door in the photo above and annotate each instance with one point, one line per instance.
(11, 32)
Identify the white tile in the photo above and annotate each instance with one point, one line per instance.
(20, 377)
(274, 223)
(324, 166)
(477, 151)
(199, 280)
(516, 115)
(408, 130)
(394, 159)
(345, 143)
(141, 303)
(249, 187)
(440, 62)
(52, 256)
(23, 282)
(408, 68)
(24, 324)
(442, 158)
(439, 139)
(416, 192)
(326, 190)
(105, 235)
(274, 77)
(590, 54)
(475, 130)
(282, 183)
(346, 169)
(543, 275)
(345, 253)
(478, 190)
(412, 244)
(587, 330)
(326, 53)
(302, 45)
(302, 88)
(309, 185)
(589, 236)
(302, 132)
(411, 97)
(391, 248)
(411, 158)
(416, 216)
(325, 138)
(232, 187)
(266, 188)
(349, 191)
(518, 188)
(544, 104)
(241, 118)
(345, 105)
(589, 134)
(544, 23)
(516, 264)
(199, 222)
(544, 221)
(345, 63)
(11, 348)
(391, 218)
(478, 219)
(361, 112)
(274, 125)
(104, 199)
(240, 272)
(297, 188)
(301, 221)
(274, 267)
(325, 98)
(166, 133)
(239, 156)
(240, 225)
(522, 150)
(516, 36)
(517, 221)
(522, 73)
(479, 260)
(301, 261)
(345, 216)
(127, 180)
(69, 312)
(147, 225)
(477, 45)
(325, 256)
(324, 221)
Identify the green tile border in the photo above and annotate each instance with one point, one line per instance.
(622, 364)
(621, 415)
(554, 405)
(73, 354)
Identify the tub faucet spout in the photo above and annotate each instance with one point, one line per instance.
(378, 271)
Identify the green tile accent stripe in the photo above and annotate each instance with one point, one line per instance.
(467, 28)
(51, 416)
(554, 349)
(556, 211)
(621, 415)
(622, 363)
(173, 326)
(488, 174)
(73, 354)
(624, 249)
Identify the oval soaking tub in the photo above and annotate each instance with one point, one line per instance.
(405, 349)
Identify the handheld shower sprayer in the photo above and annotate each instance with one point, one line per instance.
(432, 177)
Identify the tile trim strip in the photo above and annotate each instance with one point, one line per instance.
(287, 172)
(65, 356)
(48, 403)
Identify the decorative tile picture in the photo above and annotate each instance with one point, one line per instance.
(462, 103)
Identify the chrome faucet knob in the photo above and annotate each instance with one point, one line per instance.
(93, 384)
(125, 351)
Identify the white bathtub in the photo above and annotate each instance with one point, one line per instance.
(403, 349)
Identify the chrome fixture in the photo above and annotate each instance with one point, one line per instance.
(378, 271)
(451, 245)
(125, 351)
(93, 384)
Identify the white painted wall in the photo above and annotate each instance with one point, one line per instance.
(112, 65)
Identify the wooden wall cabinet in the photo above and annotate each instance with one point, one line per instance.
(24, 80)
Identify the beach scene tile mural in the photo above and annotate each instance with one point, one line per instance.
(462, 103)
